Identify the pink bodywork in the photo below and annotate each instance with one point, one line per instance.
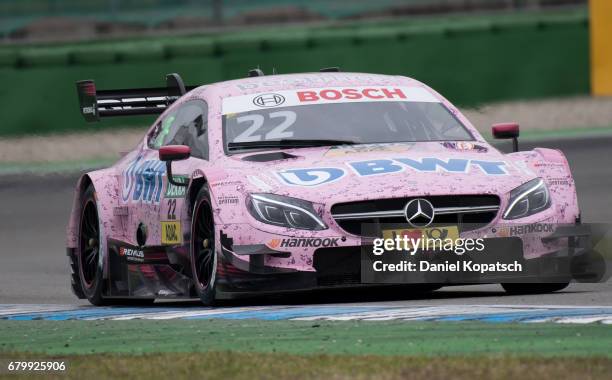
(228, 177)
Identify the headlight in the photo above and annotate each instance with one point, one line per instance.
(528, 199)
(284, 211)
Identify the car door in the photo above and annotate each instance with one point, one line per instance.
(187, 126)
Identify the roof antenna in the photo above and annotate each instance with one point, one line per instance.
(256, 73)
(334, 69)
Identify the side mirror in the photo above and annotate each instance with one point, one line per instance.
(507, 131)
(174, 153)
(171, 153)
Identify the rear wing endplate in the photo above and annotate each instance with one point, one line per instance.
(95, 104)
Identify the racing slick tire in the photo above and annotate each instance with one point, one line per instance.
(521, 288)
(88, 249)
(203, 248)
(87, 256)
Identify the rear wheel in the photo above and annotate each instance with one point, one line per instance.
(520, 288)
(203, 248)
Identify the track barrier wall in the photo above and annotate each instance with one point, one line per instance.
(473, 62)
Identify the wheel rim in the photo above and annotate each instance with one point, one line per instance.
(89, 246)
(204, 245)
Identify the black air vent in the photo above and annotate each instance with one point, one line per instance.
(267, 157)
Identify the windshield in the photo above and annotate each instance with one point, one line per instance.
(355, 122)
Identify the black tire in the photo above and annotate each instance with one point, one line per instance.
(75, 279)
(88, 249)
(203, 248)
(88, 254)
(520, 288)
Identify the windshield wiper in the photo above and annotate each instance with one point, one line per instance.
(287, 143)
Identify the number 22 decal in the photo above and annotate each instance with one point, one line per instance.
(171, 209)
(257, 121)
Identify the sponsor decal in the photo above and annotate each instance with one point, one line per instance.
(427, 164)
(132, 254)
(259, 183)
(441, 233)
(269, 100)
(227, 200)
(339, 151)
(543, 164)
(166, 292)
(310, 80)
(325, 95)
(171, 233)
(310, 176)
(525, 229)
(303, 242)
(143, 181)
(560, 181)
(226, 183)
(120, 211)
(88, 110)
(319, 176)
(173, 191)
(351, 94)
(464, 146)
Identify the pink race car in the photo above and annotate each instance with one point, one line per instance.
(264, 185)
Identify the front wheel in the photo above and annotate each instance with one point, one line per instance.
(520, 288)
(203, 248)
(88, 251)
(89, 256)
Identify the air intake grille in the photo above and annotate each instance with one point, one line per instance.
(467, 212)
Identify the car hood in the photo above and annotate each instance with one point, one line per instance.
(375, 171)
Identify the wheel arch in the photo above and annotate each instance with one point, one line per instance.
(194, 188)
(106, 193)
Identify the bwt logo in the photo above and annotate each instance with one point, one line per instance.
(320, 176)
(143, 181)
(269, 100)
(310, 177)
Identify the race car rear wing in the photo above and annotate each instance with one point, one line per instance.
(96, 104)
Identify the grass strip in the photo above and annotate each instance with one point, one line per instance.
(248, 366)
(303, 337)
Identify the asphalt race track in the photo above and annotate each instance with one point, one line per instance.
(33, 265)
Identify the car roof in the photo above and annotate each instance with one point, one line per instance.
(278, 82)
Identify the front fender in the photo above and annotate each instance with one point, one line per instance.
(552, 166)
(107, 198)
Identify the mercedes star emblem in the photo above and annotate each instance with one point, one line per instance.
(419, 213)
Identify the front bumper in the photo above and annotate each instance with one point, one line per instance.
(246, 269)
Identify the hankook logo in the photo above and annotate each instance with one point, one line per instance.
(269, 100)
(419, 212)
(303, 242)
